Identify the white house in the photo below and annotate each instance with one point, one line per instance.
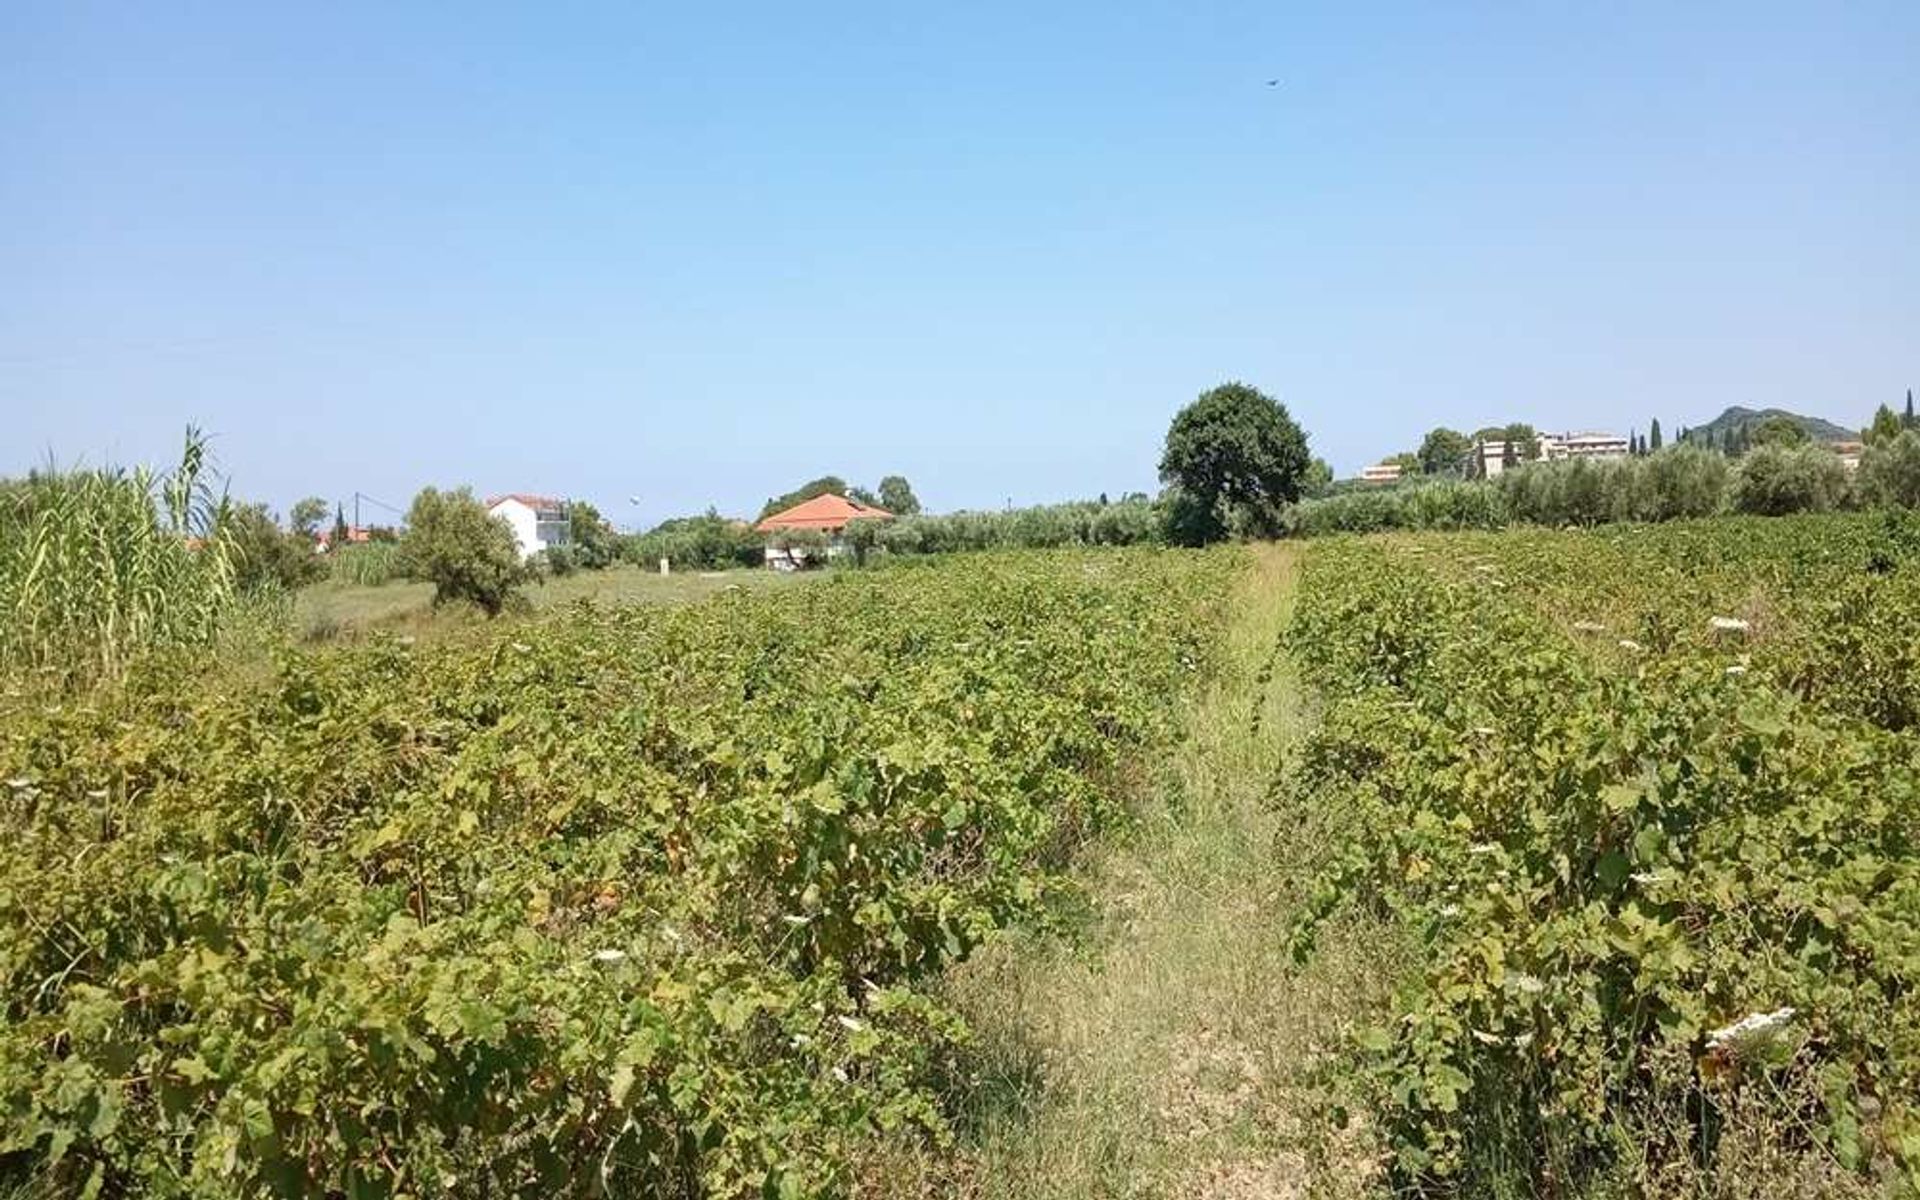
(537, 521)
(1386, 472)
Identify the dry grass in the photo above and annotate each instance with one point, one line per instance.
(1173, 1048)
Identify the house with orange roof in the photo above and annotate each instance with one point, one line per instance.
(537, 521)
(827, 514)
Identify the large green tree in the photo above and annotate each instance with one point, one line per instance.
(1653, 436)
(896, 496)
(591, 536)
(1781, 431)
(453, 543)
(1234, 459)
(1885, 427)
(1444, 452)
(305, 516)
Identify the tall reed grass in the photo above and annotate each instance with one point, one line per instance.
(368, 565)
(99, 565)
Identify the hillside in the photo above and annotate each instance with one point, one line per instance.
(1715, 431)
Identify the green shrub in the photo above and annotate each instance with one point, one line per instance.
(558, 561)
(1776, 480)
(1444, 504)
(708, 542)
(1890, 471)
(452, 543)
(1130, 522)
(594, 543)
(1675, 482)
(1680, 481)
(269, 557)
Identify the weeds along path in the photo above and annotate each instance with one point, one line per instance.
(1159, 1055)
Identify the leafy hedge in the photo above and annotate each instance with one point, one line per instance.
(1630, 789)
(1682, 481)
(633, 900)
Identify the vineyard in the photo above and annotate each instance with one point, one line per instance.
(1648, 799)
(638, 901)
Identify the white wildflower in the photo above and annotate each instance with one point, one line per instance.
(1482, 730)
(1729, 625)
(851, 1024)
(609, 956)
(840, 1073)
(1483, 848)
(19, 783)
(1645, 877)
(800, 1040)
(1748, 1029)
(1736, 669)
(1629, 644)
(795, 919)
(522, 647)
(1451, 910)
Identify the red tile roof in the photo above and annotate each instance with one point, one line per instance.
(526, 498)
(355, 534)
(827, 512)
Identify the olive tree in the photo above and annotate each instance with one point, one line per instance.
(1776, 480)
(467, 554)
(1890, 471)
(896, 496)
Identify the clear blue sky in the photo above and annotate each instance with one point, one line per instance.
(703, 252)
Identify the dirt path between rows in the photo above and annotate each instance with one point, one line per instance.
(1161, 1053)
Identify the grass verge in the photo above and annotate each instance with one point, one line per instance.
(335, 608)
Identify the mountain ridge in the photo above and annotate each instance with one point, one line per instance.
(1739, 417)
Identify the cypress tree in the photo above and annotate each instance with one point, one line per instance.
(1908, 421)
(1653, 435)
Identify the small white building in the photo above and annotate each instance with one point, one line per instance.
(1386, 472)
(537, 521)
(1587, 444)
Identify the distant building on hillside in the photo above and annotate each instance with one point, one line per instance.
(827, 514)
(537, 521)
(1849, 453)
(1386, 472)
(1556, 446)
(1492, 457)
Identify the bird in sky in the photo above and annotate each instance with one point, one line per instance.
(1273, 83)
